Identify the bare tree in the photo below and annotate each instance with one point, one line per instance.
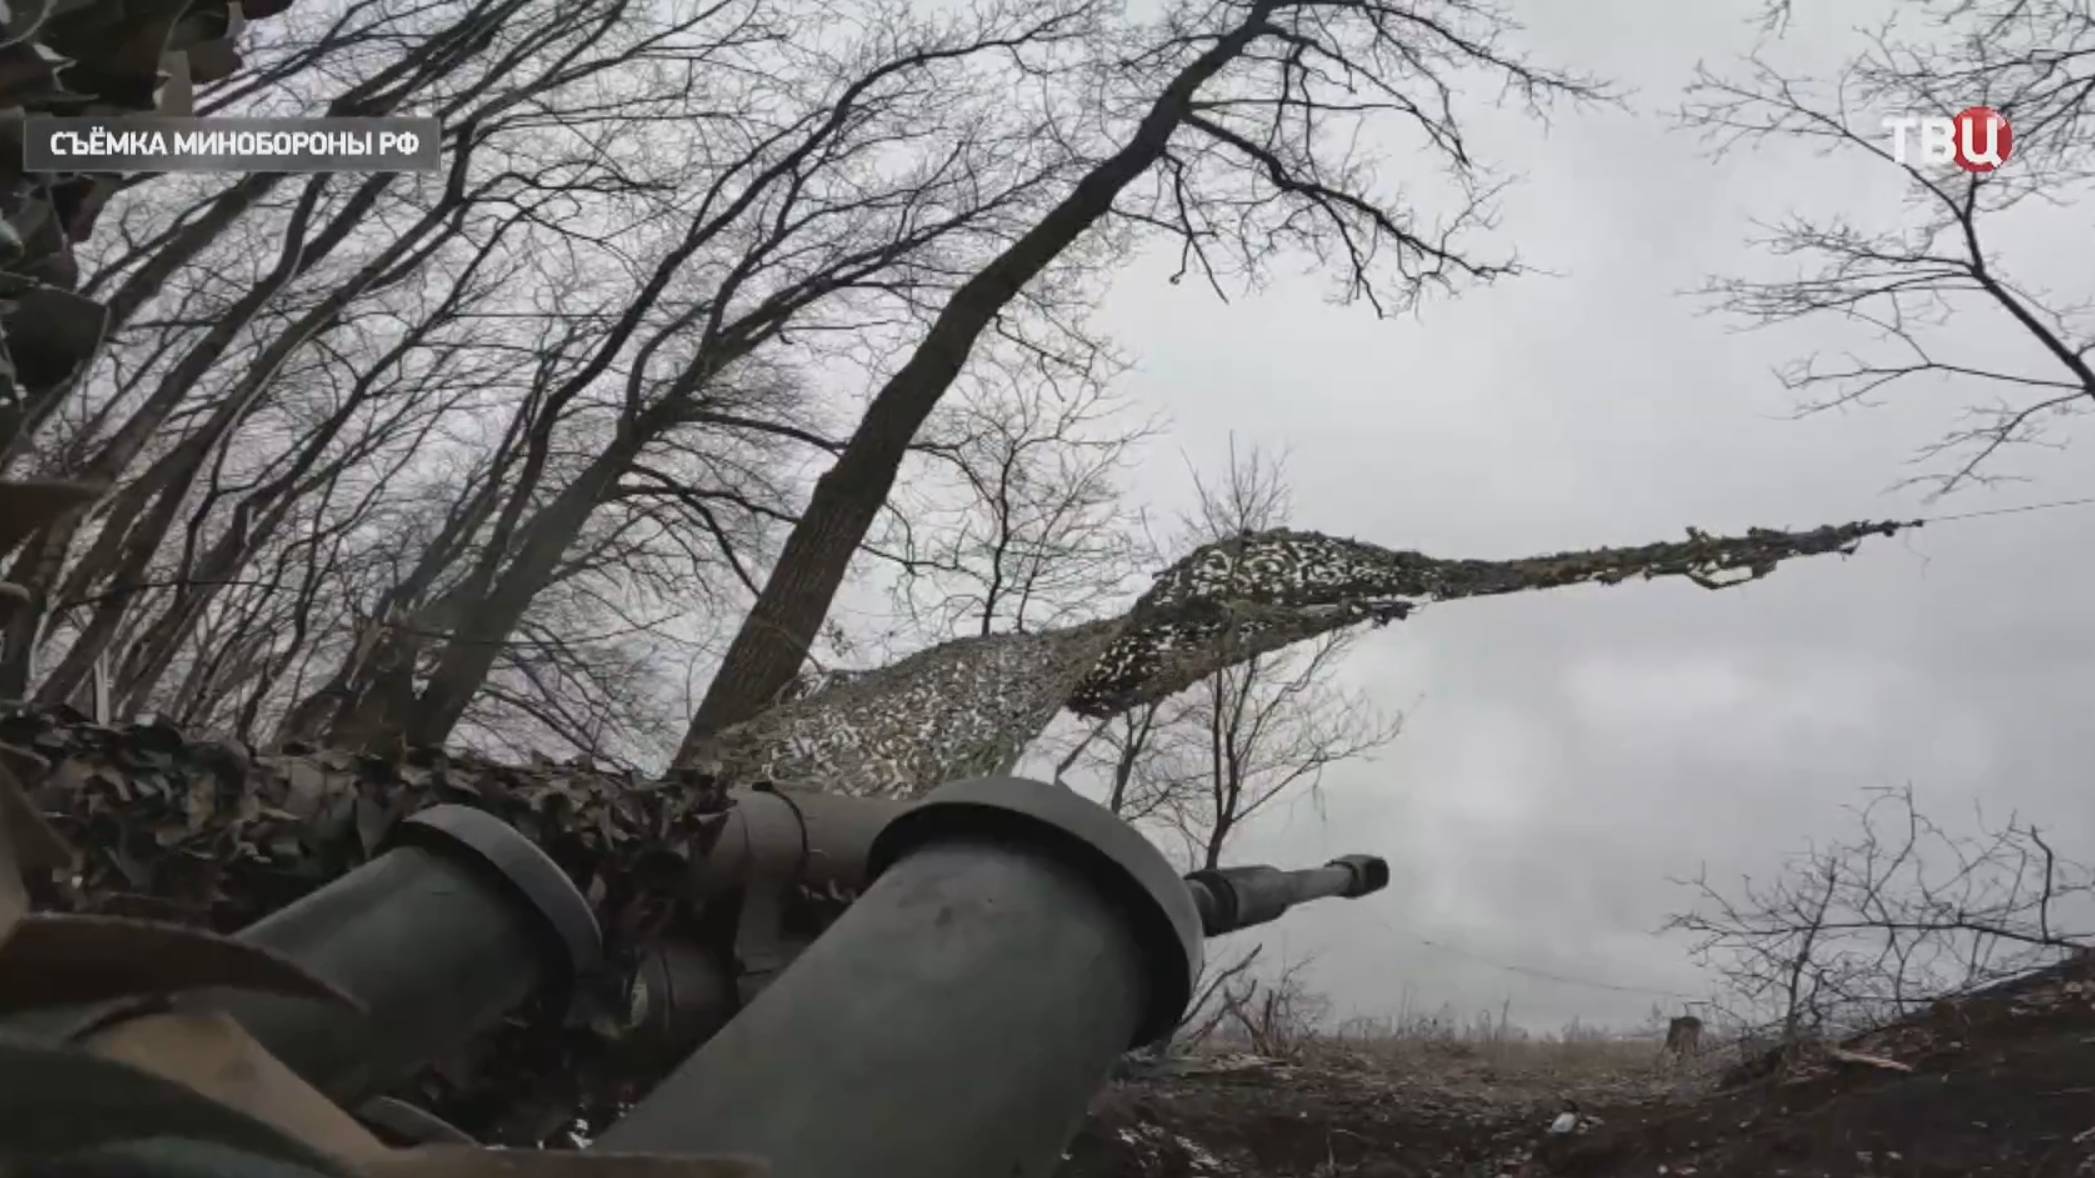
(386, 398)
(1278, 1015)
(1018, 520)
(1274, 725)
(326, 67)
(886, 169)
(1896, 916)
(257, 279)
(1228, 129)
(631, 224)
(1901, 275)
(1149, 761)
(1213, 999)
(1197, 766)
(1271, 724)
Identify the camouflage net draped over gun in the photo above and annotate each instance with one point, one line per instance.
(971, 706)
(960, 709)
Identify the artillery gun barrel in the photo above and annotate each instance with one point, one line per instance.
(438, 938)
(1012, 941)
(1231, 898)
(957, 1018)
(1008, 941)
(771, 845)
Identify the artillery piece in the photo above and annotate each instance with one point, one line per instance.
(1007, 942)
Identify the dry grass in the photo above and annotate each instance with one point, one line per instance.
(1530, 1069)
(1489, 1059)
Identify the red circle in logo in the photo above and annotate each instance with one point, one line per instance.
(1984, 139)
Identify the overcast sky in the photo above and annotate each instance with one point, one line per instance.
(1567, 752)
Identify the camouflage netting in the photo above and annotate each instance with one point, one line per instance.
(1257, 593)
(81, 58)
(209, 834)
(960, 709)
(204, 833)
(215, 833)
(972, 706)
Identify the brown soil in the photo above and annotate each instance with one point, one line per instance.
(2000, 1084)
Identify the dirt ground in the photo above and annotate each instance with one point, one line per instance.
(1997, 1084)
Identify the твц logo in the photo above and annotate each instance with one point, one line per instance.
(1978, 140)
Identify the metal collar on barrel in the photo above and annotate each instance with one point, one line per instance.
(1088, 836)
(528, 869)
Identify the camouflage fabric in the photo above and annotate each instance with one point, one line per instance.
(972, 706)
(960, 709)
(1238, 598)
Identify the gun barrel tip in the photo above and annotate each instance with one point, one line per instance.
(1370, 873)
